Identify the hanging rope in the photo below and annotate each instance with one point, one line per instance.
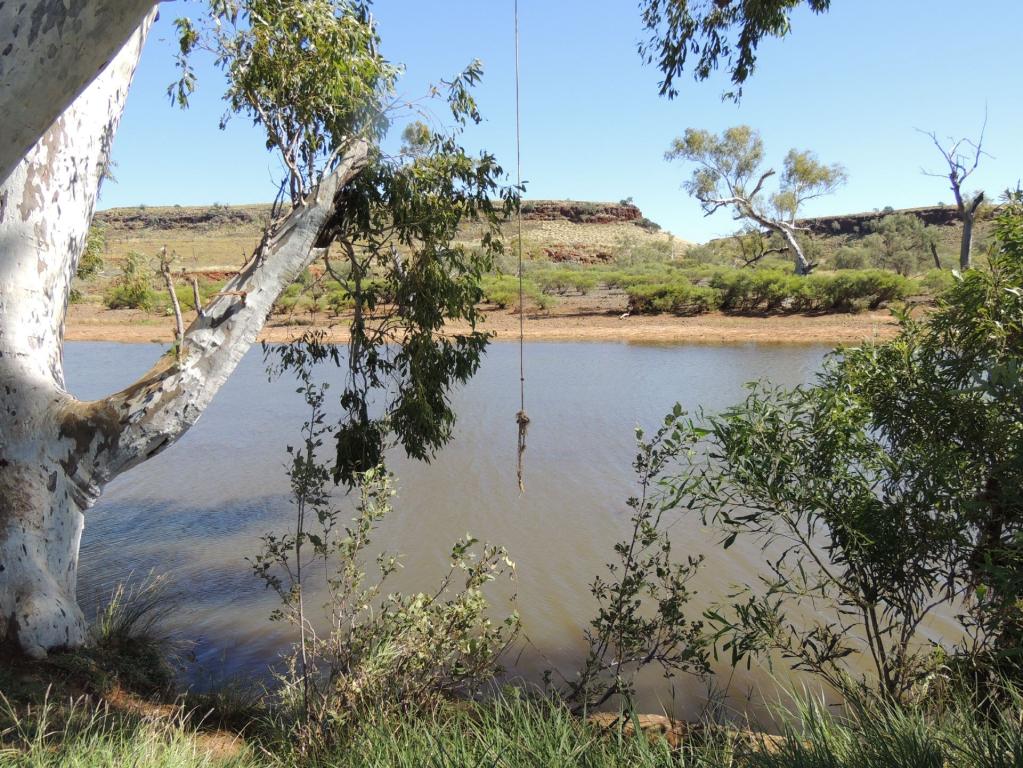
(520, 418)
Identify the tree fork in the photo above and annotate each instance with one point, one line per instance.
(57, 453)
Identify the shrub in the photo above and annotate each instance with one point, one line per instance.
(838, 291)
(384, 653)
(679, 297)
(850, 257)
(92, 257)
(900, 241)
(186, 297)
(883, 288)
(735, 286)
(503, 290)
(887, 490)
(937, 281)
(848, 290)
(642, 599)
(639, 274)
(133, 287)
(561, 281)
(744, 290)
(340, 301)
(290, 299)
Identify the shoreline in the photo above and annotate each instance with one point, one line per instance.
(93, 323)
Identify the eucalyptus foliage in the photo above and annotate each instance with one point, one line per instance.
(306, 71)
(642, 617)
(887, 490)
(729, 167)
(707, 35)
(309, 72)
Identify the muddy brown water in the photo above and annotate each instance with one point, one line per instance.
(197, 510)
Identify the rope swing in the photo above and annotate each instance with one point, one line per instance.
(520, 418)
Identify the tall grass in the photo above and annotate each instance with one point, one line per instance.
(82, 734)
(516, 730)
(133, 613)
(129, 643)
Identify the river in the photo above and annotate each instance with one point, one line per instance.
(197, 510)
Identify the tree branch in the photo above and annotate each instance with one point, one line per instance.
(197, 298)
(760, 184)
(140, 421)
(179, 323)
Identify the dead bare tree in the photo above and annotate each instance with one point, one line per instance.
(962, 157)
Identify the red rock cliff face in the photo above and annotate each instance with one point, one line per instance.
(579, 212)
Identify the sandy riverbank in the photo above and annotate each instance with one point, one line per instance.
(90, 322)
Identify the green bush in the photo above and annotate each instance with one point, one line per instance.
(937, 281)
(767, 290)
(849, 290)
(133, 288)
(849, 257)
(288, 300)
(561, 281)
(648, 273)
(503, 290)
(899, 469)
(746, 290)
(92, 257)
(208, 289)
(384, 651)
(340, 301)
(679, 297)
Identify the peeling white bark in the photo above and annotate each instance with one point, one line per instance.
(57, 453)
(160, 407)
(788, 233)
(746, 209)
(46, 204)
(50, 51)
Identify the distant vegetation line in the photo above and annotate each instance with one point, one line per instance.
(574, 249)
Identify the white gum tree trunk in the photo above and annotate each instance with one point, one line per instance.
(800, 262)
(57, 453)
(50, 50)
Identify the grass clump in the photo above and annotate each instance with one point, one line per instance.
(83, 734)
(127, 647)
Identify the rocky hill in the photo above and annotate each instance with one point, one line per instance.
(580, 212)
(856, 223)
(220, 236)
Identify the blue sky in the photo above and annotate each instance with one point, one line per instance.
(852, 84)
